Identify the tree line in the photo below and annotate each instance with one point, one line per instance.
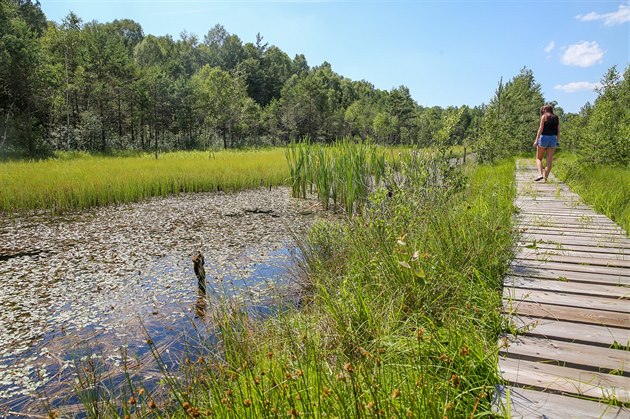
(93, 86)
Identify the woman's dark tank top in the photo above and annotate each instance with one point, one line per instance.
(551, 126)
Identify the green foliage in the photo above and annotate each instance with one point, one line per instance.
(511, 120)
(606, 188)
(601, 133)
(23, 76)
(223, 99)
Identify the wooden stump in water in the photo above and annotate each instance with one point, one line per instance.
(200, 272)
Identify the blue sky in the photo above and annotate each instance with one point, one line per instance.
(446, 52)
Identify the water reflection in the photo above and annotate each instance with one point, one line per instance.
(201, 305)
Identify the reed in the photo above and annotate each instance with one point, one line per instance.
(343, 172)
(78, 181)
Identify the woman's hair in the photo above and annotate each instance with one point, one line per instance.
(547, 108)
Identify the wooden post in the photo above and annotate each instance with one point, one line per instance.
(200, 272)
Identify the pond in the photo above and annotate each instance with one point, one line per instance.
(109, 279)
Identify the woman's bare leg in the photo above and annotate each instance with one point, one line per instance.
(540, 152)
(550, 152)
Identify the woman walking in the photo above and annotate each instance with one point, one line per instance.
(547, 139)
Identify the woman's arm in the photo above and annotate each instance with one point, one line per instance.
(540, 129)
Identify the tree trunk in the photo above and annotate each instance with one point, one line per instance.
(103, 141)
(6, 130)
(120, 129)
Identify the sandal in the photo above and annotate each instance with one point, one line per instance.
(539, 178)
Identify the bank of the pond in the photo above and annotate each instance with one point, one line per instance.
(79, 181)
(92, 286)
(400, 315)
(605, 188)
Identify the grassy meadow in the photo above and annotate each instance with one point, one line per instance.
(605, 188)
(399, 313)
(74, 181)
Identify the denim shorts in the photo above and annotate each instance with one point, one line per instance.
(548, 141)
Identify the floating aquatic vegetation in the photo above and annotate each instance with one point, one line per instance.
(105, 274)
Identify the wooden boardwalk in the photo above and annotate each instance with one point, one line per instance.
(567, 297)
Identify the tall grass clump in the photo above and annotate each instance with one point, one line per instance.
(399, 311)
(343, 173)
(81, 181)
(605, 188)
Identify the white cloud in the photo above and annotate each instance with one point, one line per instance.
(622, 15)
(577, 86)
(583, 54)
(550, 46)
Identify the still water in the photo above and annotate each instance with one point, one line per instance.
(100, 284)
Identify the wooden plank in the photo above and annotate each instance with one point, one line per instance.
(598, 290)
(550, 203)
(575, 267)
(581, 215)
(591, 334)
(605, 230)
(555, 212)
(552, 238)
(550, 210)
(550, 251)
(517, 403)
(617, 239)
(564, 227)
(615, 236)
(561, 275)
(564, 379)
(569, 300)
(548, 229)
(579, 251)
(566, 313)
(564, 223)
(582, 221)
(567, 354)
(549, 207)
(584, 259)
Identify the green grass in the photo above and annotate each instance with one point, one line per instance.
(399, 315)
(605, 188)
(74, 181)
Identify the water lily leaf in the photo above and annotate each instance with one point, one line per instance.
(404, 264)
